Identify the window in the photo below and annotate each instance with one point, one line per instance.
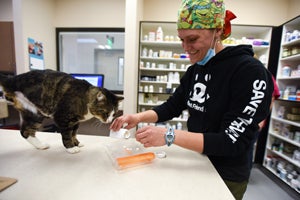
(92, 51)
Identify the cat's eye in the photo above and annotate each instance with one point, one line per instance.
(104, 112)
(101, 110)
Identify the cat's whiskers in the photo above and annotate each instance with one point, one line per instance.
(97, 123)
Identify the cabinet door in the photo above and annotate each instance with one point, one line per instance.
(7, 48)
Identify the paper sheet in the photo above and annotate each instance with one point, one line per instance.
(5, 182)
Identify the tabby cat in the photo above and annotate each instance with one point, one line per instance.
(41, 94)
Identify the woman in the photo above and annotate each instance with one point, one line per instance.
(226, 91)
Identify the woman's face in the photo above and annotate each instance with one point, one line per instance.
(196, 42)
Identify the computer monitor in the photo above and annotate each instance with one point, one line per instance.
(94, 79)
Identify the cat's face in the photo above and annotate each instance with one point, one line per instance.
(105, 106)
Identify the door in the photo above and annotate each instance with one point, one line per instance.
(7, 48)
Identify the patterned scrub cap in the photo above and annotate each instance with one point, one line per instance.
(204, 14)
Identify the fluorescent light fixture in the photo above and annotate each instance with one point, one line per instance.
(86, 40)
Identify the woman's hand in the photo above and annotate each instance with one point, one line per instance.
(151, 136)
(131, 120)
(125, 121)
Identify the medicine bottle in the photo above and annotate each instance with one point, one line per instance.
(286, 94)
(179, 126)
(159, 34)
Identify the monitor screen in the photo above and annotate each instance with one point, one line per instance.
(94, 79)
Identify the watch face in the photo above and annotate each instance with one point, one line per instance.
(169, 137)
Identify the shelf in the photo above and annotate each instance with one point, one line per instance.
(150, 104)
(163, 70)
(286, 157)
(251, 31)
(158, 93)
(259, 48)
(283, 82)
(285, 139)
(291, 58)
(158, 82)
(293, 123)
(174, 62)
(287, 100)
(291, 43)
(255, 47)
(288, 78)
(165, 59)
(161, 44)
(274, 172)
(177, 119)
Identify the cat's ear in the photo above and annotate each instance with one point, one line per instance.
(100, 96)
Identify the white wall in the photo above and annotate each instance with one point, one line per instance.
(38, 24)
(293, 9)
(6, 10)
(133, 15)
(158, 10)
(33, 19)
(259, 12)
(38, 19)
(255, 12)
(89, 13)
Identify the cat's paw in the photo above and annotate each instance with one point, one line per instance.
(37, 143)
(80, 145)
(43, 146)
(73, 150)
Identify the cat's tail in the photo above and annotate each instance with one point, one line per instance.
(3, 78)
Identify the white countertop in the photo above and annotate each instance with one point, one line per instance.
(55, 174)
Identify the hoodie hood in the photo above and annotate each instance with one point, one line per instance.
(233, 52)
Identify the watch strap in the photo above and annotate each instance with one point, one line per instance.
(170, 136)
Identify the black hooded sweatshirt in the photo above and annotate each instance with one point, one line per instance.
(226, 99)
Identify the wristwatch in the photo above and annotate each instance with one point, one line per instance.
(170, 136)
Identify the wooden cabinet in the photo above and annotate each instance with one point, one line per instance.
(257, 36)
(161, 65)
(7, 48)
(282, 153)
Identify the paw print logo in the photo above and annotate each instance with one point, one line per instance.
(199, 90)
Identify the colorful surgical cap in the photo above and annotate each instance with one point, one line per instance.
(204, 14)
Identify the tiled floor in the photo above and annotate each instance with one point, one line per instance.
(263, 187)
